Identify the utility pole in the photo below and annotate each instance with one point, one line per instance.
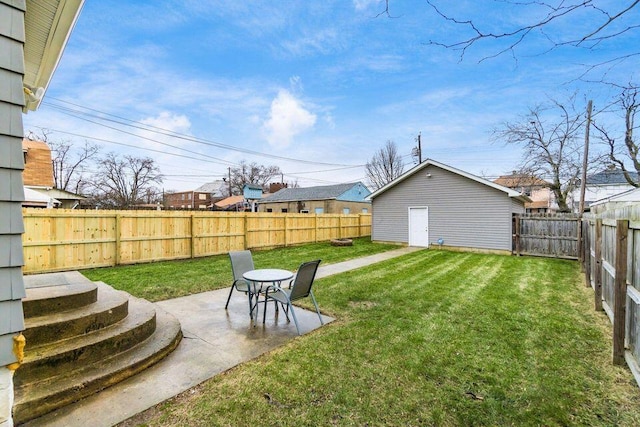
(583, 186)
(417, 151)
(230, 181)
(583, 183)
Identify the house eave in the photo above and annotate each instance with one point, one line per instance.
(48, 25)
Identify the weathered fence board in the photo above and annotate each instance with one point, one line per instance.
(614, 254)
(56, 240)
(546, 235)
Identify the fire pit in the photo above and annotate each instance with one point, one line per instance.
(342, 242)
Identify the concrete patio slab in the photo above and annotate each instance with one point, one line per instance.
(215, 340)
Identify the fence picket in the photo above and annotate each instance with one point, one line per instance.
(620, 292)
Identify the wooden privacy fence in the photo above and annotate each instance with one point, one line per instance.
(612, 268)
(553, 235)
(62, 239)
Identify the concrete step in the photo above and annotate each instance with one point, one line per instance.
(56, 292)
(110, 308)
(50, 359)
(81, 380)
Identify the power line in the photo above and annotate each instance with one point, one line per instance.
(189, 157)
(327, 170)
(221, 161)
(93, 138)
(166, 132)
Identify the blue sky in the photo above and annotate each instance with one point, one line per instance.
(314, 87)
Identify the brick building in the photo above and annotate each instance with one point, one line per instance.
(202, 197)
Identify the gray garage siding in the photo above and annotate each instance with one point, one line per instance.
(463, 212)
(517, 206)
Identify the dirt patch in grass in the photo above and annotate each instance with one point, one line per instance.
(362, 304)
(156, 412)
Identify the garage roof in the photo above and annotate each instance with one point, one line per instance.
(430, 162)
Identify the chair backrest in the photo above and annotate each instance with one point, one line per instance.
(241, 262)
(304, 280)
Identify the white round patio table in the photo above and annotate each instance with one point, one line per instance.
(265, 275)
(262, 275)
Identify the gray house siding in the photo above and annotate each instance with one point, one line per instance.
(462, 212)
(12, 38)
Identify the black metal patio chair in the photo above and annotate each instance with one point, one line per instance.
(301, 288)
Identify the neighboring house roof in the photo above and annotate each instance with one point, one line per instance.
(611, 177)
(35, 198)
(230, 202)
(632, 195)
(520, 180)
(57, 194)
(218, 188)
(429, 162)
(48, 24)
(324, 192)
(38, 167)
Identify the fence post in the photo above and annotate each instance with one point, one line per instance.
(339, 226)
(586, 233)
(193, 240)
(118, 243)
(597, 282)
(580, 242)
(517, 235)
(620, 291)
(286, 229)
(315, 228)
(246, 230)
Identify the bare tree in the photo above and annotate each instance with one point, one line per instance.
(252, 173)
(151, 196)
(551, 137)
(385, 166)
(629, 150)
(546, 19)
(70, 165)
(124, 181)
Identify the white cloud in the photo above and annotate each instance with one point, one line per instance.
(287, 118)
(329, 120)
(313, 42)
(172, 122)
(364, 4)
(296, 84)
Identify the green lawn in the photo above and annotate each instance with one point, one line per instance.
(170, 279)
(432, 338)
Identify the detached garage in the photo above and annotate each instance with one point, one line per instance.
(436, 204)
